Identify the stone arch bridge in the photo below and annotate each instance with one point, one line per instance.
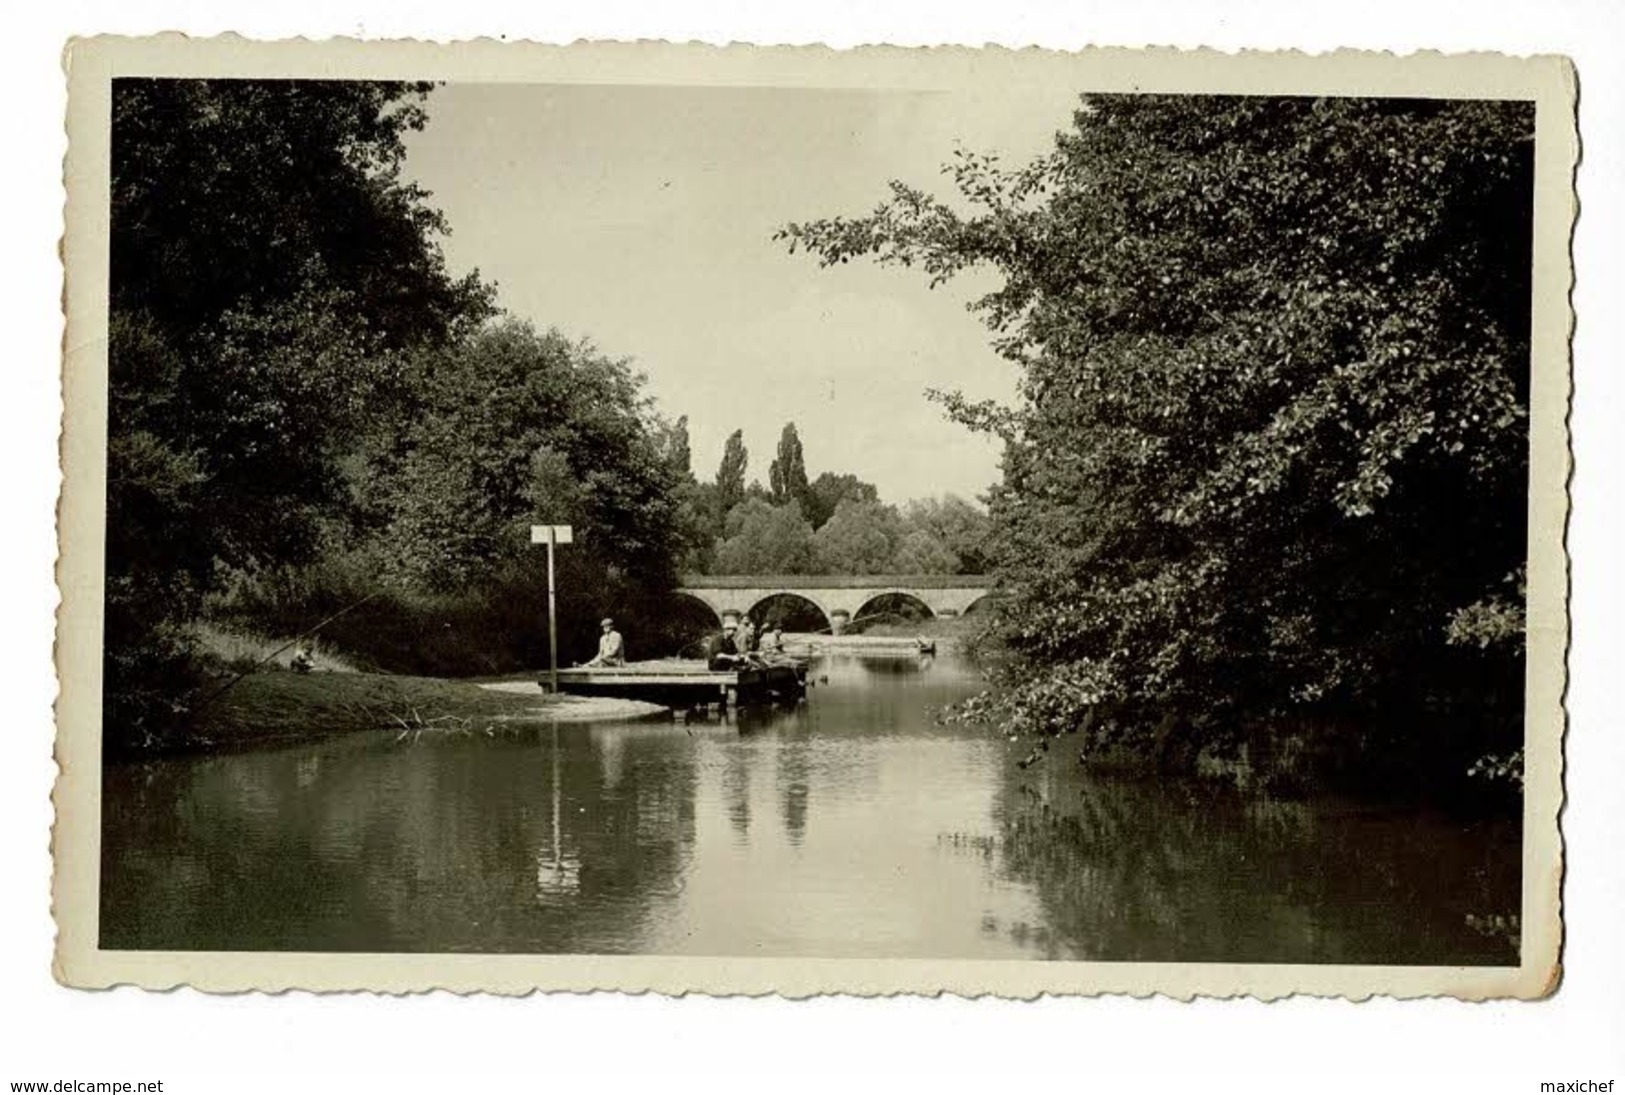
(841, 598)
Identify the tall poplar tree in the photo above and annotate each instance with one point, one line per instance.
(676, 447)
(787, 476)
(731, 473)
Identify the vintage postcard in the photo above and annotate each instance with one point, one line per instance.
(680, 519)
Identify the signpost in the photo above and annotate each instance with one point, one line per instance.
(551, 535)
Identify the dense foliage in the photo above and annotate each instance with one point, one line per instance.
(1265, 479)
(830, 489)
(505, 429)
(308, 411)
(270, 270)
(834, 524)
(510, 428)
(766, 539)
(862, 537)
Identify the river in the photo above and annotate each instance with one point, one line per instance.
(852, 826)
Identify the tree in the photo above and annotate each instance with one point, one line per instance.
(1270, 450)
(787, 476)
(861, 538)
(517, 428)
(731, 473)
(827, 492)
(698, 520)
(226, 193)
(961, 528)
(921, 552)
(675, 448)
(767, 539)
(270, 273)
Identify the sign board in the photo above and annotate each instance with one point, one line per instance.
(561, 534)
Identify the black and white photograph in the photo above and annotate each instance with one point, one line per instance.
(746, 521)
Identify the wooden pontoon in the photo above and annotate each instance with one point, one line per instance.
(688, 684)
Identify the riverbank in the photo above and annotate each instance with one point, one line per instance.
(561, 708)
(890, 637)
(812, 645)
(277, 706)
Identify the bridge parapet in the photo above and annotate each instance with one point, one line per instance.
(837, 595)
(839, 581)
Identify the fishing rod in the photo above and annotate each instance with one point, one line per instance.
(854, 620)
(291, 642)
(696, 643)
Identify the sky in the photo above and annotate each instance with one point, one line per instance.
(641, 217)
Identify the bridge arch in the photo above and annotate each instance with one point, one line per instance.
(797, 598)
(865, 608)
(838, 597)
(979, 604)
(693, 598)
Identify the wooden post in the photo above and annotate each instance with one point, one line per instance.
(551, 535)
(552, 620)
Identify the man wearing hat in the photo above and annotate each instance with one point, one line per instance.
(611, 647)
(722, 651)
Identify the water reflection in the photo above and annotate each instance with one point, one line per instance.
(556, 874)
(854, 825)
(894, 665)
(736, 792)
(794, 788)
(1132, 870)
(512, 843)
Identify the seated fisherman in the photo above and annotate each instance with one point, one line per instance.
(611, 647)
(722, 651)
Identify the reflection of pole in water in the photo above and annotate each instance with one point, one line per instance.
(554, 876)
(557, 857)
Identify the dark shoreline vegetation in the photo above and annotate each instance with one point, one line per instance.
(270, 708)
(1262, 510)
(1265, 487)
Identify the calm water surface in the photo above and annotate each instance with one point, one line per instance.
(850, 827)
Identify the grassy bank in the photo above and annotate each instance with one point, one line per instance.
(496, 628)
(269, 707)
(240, 651)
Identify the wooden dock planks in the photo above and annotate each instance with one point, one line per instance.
(683, 684)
